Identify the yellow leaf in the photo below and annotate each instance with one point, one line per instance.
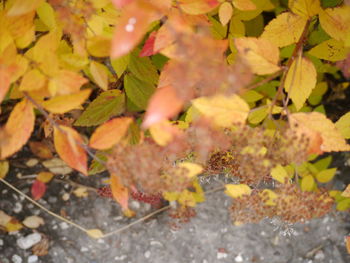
(18, 129)
(280, 174)
(197, 7)
(99, 73)
(326, 175)
(119, 191)
(186, 198)
(343, 125)
(20, 7)
(81, 192)
(45, 177)
(244, 5)
(257, 115)
(331, 49)
(300, 81)
(307, 183)
(99, 46)
(260, 54)
(109, 133)
(47, 15)
(193, 169)
(26, 39)
(65, 103)
(237, 190)
(346, 192)
(336, 22)
(306, 8)
(269, 197)
(285, 29)
(95, 233)
(347, 244)
(13, 225)
(4, 168)
(171, 196)
(225, 12)
(223, 110)
(161, 132)
(317, 123)
(32, 80)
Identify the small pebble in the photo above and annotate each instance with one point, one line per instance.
(147, 254)
(1, 242)
(122, 257)
(84, 249)
(65, 197)
(18, 207)
(32, 259)
(64, 225)
(221, 255)
(239, 258)
(320, 255)
(16, 259)
(29, 241)
(135, 205)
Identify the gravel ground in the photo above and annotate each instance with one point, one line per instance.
(208, 237)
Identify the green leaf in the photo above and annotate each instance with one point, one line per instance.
(138, 91)
(108, 104)
(217, 29)
(120, 64)
(251, 96)
(343, 205)
(323, 163)
(143, 68)
(257, 115)
(97, 167)
(307, 183)
(343, 125)
(326, 175)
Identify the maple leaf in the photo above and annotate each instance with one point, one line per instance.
(68, 146)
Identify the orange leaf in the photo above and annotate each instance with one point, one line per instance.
(68, 146)
(41, 150)
(38, 189)
(17, 130)
(66, 82)
(120, 194)
(20, 7)
(45, 177)
(347, 243)
(65, 103)
(164, 104)
(5, 79)
(121, 3)
(131, 27)
(148, 47)
(109, 133)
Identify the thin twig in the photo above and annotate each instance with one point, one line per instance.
(53, 123)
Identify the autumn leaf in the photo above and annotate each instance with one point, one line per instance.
(222, 110)
(260, 54)
(40, 149)
(148, 48)
(99, 73)
(121, 3)
(20, 7)
(306, 8)
(279, 174)
(45, 177)
(99, 46)
(307, 183)
(163, 132)
(317, 127)
(6, 73)
(244, 5)
(110, 133)
(38, 189)
(285, 29)
(336, 22)
(331, 49)
(138, 91)
(225, 12)
(66, 82)
(164, 104)
(300, 81)
(343, 125)
(17, 129)
(120, 194)
(237, 190)
(95, 233)
(4, 168)
(131, 27)
(68, 146)
(198, 7)
(65, 103)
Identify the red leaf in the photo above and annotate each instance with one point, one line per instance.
(164, 104)
(148, 47)
(131, 27)
(38, 189)
(68, 146)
